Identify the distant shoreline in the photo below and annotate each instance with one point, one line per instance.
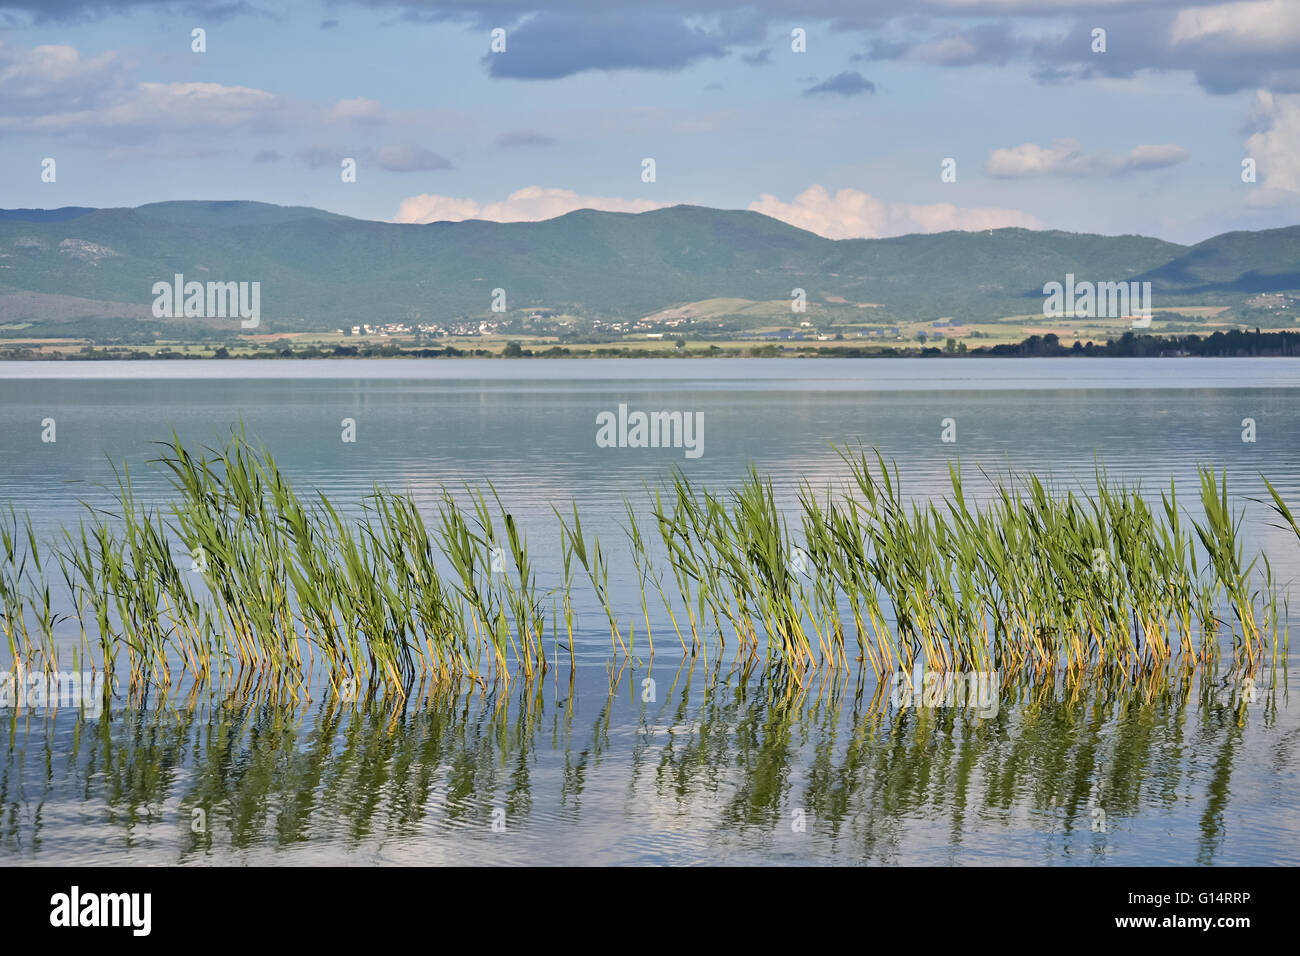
(1235, 343)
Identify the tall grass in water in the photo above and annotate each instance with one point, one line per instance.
(24, 593)
(1038, 578)
(239, 578)
(1032, 580)
(279, 582)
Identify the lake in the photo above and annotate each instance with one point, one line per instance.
(706, 764)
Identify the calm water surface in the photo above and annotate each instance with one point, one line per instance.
(718, 767)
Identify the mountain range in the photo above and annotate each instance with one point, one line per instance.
(319, 270)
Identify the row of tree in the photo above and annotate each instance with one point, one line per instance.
(1230, 343)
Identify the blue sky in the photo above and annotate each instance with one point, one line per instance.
(846, 139)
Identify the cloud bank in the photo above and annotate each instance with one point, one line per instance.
(848, 214)
(1065, 157)
(531, 204)
(852, 214)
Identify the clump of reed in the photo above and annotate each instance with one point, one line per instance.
(239, 575)
(24, 592)
(272, 584)
(1033, 579)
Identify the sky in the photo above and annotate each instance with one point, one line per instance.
(888, 118)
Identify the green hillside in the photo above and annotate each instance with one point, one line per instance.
(319, 270)
(1244, 262)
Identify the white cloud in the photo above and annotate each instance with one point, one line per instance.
(160, 106)
(530, 204)
(194, 104)
(1275, 147)
(1153, 156)
(947, 51)
(1259, 26)
(851, 214)
(54, 89)
(1030, 159)
(47, 71)
(1065, 157)
(358, 110)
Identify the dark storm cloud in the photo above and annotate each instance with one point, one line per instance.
(215, 11)
(1237, 54)
(987, 43)
(745, 17)
(556, 38)
(554, 45)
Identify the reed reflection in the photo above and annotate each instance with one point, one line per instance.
(721, 758)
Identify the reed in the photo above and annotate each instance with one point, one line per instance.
(596, 565)
(238, 577)
(1283, 511)
(22, 587)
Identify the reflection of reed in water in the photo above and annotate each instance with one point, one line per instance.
(868, 772)
(732, 756)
